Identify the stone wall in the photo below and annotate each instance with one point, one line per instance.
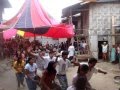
(100, 16)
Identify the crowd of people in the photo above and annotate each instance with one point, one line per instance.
(45, 66)
(81, 46)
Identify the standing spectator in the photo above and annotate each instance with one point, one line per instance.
(84, 44)
(81, 47)
(104, 50)
(71, 51)
(19, 68)
(113, 54)
(30, 70)
(118, 52)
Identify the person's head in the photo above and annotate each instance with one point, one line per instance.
(92, 62)
(113, 46)
(19, 59)
(51, 67)
(81, 80)
(42, 52)
(18, 52)
(22, 55)
(104, 43)
(24, 52)
(65, 54)
(30, 60)
(82, 69)
(51, 53)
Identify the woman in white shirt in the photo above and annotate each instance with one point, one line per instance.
(30, 71)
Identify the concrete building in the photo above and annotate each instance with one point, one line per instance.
(98, 21)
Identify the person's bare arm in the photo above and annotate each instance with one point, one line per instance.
(31, 53)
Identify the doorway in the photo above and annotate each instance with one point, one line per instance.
(100, 48)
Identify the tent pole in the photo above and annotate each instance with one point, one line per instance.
(34, 35)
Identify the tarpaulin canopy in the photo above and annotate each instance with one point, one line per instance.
(33, 20)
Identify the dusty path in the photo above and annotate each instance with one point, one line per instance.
(98, 81)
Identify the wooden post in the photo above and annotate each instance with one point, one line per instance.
(113, 30)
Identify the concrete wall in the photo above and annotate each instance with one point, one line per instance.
(45, 40)
(100, 15)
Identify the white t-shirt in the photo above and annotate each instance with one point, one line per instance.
(84, 45)
(42, 62)
(31, 69)
(62, 66)
(47, 60)
(104, 48)
(71, 51)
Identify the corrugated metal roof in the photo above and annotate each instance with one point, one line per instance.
(76, 8)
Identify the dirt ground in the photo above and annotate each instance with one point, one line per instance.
(98, 81)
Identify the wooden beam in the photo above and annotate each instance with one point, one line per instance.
(113, 30)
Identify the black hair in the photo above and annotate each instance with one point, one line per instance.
(19, 60)
(64, 53)
(92, 60)
(42, 49)
(29, 58)
(50, 67)
(51, 52)
(81, 81)
(83, 67)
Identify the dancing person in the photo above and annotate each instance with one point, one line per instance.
(19, 68)
(80, 80)
(62, 67)
(48, 77)
(92, 69)
(30, 73)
